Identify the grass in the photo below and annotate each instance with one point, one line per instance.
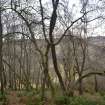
(3, 99)
(86, 99)
(33, 98)
(78, 100)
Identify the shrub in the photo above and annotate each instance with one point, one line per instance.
(2, 96)
(34, 101)
(26, 93)
(62, 100)
(20, 94)
(3, 99)
(102, 93)
(80, 100)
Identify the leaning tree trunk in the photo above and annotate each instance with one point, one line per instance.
(53, 50)
(54, 58)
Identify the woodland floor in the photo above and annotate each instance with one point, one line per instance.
(32, 98)
(13, 99)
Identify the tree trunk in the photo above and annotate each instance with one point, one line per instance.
(54, 58)
(96, 84)
(46, 78)
(1, 65)
(80, 86)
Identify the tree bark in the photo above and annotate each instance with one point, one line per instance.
(53, 50)
(1, 63)
(54, 58)
(96, 84)
(80, 86)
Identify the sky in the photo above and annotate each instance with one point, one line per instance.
(99, 29)
(76, 5)
(95, 28)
